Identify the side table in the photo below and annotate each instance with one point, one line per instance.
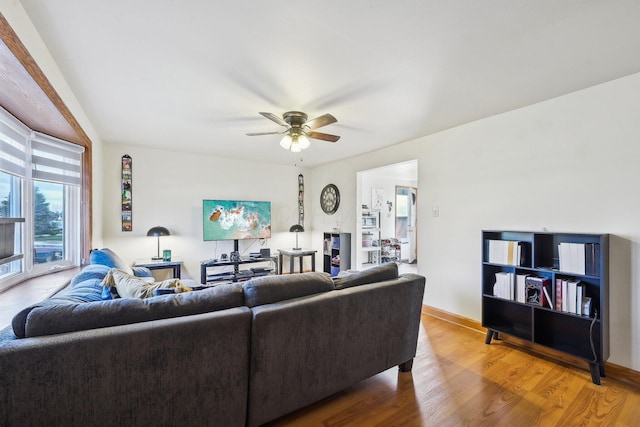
(297, 253)
(175, 265)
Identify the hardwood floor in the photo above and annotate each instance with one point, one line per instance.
(458, 380)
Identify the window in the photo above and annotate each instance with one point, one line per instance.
(40, 181)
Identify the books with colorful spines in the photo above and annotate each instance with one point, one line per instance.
(507, 252)
(558, 301)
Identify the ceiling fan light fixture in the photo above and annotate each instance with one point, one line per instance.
(303, 141)
(286, 142)
(295, 146)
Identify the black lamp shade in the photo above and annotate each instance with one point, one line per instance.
(158, 231)
(296, 228)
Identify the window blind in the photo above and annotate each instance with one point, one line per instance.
(55, 160)
(12, 150)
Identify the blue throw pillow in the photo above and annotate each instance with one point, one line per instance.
(141, 272)
(91, 271)
(110, 259)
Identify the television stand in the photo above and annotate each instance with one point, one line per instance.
(235, 274)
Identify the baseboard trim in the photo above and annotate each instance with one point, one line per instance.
(620, 373)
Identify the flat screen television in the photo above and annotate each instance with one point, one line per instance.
(235, 220)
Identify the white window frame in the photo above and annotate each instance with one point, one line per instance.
(72, 181)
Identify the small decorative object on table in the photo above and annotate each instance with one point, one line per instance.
(166, 255)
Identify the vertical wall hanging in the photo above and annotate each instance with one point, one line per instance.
(301, 200)
(127, 223)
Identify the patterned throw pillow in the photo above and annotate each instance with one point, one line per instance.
(129, 286)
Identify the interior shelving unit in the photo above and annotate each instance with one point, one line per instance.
(582, 336)
(371, 247)
(336, 253)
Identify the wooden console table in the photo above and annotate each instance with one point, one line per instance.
(300, 254)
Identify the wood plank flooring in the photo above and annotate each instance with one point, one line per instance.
(458, 380)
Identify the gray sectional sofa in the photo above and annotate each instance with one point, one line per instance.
(229, 355)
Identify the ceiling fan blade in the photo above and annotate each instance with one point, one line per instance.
(265, 133)
(323, 136)
(276, 119)
(325, 119)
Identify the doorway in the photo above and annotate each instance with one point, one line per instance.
(377, 194)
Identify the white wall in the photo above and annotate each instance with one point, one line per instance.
(168, 188)
(567, 164)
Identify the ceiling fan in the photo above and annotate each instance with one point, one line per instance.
(298, 130)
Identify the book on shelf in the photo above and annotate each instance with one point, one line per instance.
(573, 295)
(504, 285)
(579, 258)
(508, 252)
(521, 288)
(538, 291)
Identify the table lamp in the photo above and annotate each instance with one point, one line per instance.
(158, 231)
(296, 228)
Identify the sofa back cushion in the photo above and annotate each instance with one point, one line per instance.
(269, 289)
(379, 273)
(87, 290)
(61, 318)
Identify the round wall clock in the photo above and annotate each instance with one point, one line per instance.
(330, 199)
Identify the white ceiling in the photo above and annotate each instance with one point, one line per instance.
(192, 75)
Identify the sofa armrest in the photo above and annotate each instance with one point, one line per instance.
(339, 339)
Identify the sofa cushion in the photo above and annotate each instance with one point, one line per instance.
(86, 291)
(62, 318)
(269, 289)
(107, 257)
(379, 273)
(129, 286)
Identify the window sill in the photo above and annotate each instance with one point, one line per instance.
(31, 291)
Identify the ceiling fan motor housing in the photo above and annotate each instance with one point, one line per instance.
(295, 118)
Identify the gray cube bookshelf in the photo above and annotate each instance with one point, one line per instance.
(585, 261)
(336, 252)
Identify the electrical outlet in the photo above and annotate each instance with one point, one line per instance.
(435, 211)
